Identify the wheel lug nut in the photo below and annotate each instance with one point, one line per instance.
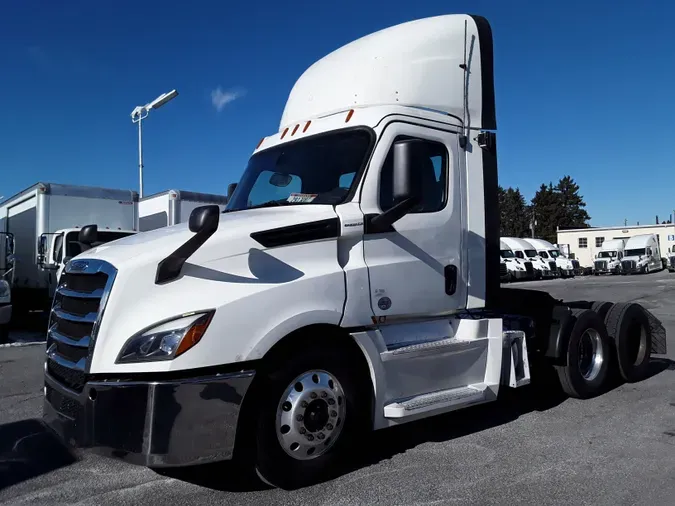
(329, 426)
(320, 436)
(304, 404)
(302, 430)
(333, 414)
(331, 402)
(310, 437)
(324, 395)
(287, 406)
(299, 418)
(313, 395)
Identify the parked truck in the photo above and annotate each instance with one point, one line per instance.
(641, 255)
(528, 254)
(38, 222)
(352, 283)
(608, 260)
(514, 268)
(172, 207)
(551, 254)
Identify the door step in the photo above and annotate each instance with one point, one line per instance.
(443, 400)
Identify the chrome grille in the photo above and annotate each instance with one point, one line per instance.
(628, 265)
(76, 315)
(575, 264)
(529, 268)
(672, 261)
(601, 265)
(503, 271)
(552, 266)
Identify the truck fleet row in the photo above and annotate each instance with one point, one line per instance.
(351, 284)
(527, 259)
(637, 254)
(40, 231)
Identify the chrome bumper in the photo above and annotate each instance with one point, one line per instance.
(151, 423)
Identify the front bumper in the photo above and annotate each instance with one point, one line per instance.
(519, 274)
(151, 423)
(5, 314)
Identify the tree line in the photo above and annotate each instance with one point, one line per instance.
(552, 206)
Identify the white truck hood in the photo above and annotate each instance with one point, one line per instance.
(232, 238)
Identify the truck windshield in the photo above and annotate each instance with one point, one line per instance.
(607, 254)
(530, 253)
(634, 252)
(506, 253)
(316, 170)
(543, 254)
(554, 253)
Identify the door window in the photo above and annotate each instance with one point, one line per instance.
(431, 164)
(57, 254)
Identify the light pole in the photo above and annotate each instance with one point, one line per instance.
(137, 116)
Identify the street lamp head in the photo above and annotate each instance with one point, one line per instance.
(162, 99)
(138, 110)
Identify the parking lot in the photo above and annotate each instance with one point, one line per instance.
(618, 448)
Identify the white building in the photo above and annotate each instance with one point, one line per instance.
(584, 243)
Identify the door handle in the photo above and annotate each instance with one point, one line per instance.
(450, 272)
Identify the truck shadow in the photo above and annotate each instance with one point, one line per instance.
(386, 444)
(29, 449)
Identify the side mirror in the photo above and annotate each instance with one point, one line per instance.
(230, 190)
(204, 219)
(42, 245)
(406, 186)
(88, 235)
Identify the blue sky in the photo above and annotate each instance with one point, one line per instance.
(583, 88)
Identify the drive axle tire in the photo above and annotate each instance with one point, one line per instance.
(628, 326)
(602, 308)
(311, 413)
(587, 356)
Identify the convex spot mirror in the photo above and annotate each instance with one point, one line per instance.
(280, 180)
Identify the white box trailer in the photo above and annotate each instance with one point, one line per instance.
(32, 219)
(172, 207)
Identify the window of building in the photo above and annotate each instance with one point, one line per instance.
(583, 242)
(599, 241)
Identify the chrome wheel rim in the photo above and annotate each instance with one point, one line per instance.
(591, 354)
(310, 415)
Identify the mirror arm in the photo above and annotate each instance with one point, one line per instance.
(383, 222)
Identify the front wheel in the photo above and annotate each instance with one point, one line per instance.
(312, 410)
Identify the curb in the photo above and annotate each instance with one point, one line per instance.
(19, 345)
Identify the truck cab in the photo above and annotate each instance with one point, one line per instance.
(525, 252)
(514, 267)
(550, 253)
(59, 248)
(608, 260)
(641, 255)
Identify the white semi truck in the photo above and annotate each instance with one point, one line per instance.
(172, 207)
(352, 284)
(528, 254)
(642, 255)
(37, 223)
(514, 269)
(608, 260)
(551, 254)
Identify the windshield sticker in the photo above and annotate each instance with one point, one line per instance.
(302, 198)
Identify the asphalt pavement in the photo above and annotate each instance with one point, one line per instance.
(618, 448)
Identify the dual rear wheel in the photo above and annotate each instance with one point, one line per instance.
(602, 338)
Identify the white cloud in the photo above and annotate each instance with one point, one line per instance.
(220, 98)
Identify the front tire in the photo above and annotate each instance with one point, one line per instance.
(587, 356)
(312, 410)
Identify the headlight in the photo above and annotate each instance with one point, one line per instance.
(167, 340)
(4, 288)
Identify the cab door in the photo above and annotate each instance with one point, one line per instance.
(418, 267)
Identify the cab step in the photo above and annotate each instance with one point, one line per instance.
(443, 400)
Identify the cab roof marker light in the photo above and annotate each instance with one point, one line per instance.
(349, 115)
(260, 143)
(295, 129)
(285, 132)
(306, 126)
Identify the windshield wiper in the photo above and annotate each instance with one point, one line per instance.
(269, 203)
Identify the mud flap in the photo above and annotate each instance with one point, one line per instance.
(515, 362)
